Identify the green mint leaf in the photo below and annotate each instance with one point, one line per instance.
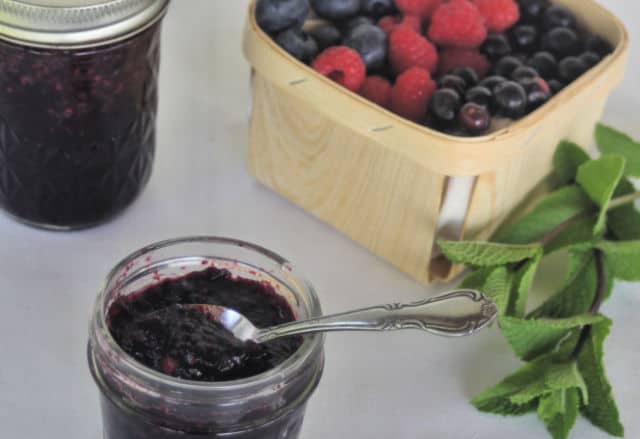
(567, 376)
(523, 282)
(578, 292)
(494, 282)
(559, 411)
(600, 178)
(623, 258)
(567, 160)
(555, 376)
(601, 409)
(504, 407)
(624, 222)
(552, 404)
(612, 141)
(498, 287)
(553, 210)
(520, 392)
(531, 338)
(477, 278)
(487, 254)
(580, 232)
(497, 398)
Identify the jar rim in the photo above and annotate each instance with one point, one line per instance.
(77, 26)
(310, 344)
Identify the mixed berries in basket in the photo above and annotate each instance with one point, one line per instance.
(463, 67)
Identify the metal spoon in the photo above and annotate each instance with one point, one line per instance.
(453, 314)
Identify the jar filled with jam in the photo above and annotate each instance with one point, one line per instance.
(78, 105)
(166, 372)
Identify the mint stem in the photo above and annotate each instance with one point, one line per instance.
(626, 199)
(597, 303)
(550, 236)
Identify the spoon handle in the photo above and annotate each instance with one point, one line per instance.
(452, 314)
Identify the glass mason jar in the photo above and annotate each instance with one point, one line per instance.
(78, 103)
(140, 403)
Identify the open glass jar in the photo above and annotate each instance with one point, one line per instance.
(140, 403)
(78, 104)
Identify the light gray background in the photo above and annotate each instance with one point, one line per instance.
(404, 386)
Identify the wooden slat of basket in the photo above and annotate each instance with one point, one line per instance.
(379, 198)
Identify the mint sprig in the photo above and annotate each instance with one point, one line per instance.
(591, 214)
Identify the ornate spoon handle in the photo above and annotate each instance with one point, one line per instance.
(452, 314)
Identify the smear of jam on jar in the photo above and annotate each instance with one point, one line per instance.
(185, 343)
(77, 129)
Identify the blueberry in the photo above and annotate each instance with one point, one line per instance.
(531, 11)
(490, 82)
(496, 46)
(445, 104)
(506, 65)
(598, 45)
(562, 42)
(336, 9)
(555, 86)
(558, 16)
(453, 82)
(377, 8)
(474, 118)
(571, 68)
(524, 72)
(537, 90)
(326, 35)
(591, 59)
(510, 99)
(480, 95)
(545, 63)
(274, 16)
(524, 38)
(299, 44)
(371, 43)
(349, 25)
(522, 57)
(469, 75)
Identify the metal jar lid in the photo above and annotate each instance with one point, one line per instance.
(75, 23)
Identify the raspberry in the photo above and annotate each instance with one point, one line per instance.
(407, 48)
(391, 22)
(378, 90)
(458, 23)
(411, 94)
(499, 15)
(453, 58)
(343, 65)
(422, 8)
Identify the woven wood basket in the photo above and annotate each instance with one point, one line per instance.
(383, 180)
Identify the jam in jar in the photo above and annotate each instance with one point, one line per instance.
(166, 371)
(78, 104)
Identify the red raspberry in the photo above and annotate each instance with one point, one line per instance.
(411, 94)
(544, 85)
(458, 23)
(377, 90)
(499, 15)
(343, 65)
(390, 22)
(453, 58)
(423, 8)
(407, 48)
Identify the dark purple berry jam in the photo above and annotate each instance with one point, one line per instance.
(157, 331)
(77, 129)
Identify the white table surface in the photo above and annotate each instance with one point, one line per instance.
(404, 386)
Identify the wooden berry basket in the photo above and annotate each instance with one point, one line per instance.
(381, 179)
